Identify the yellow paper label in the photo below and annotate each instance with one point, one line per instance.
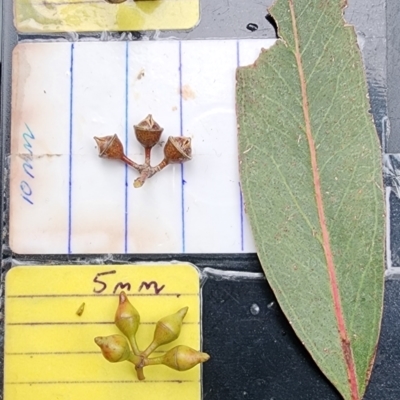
(98, 15)
(49, 348)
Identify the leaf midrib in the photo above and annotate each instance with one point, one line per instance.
(345, 342)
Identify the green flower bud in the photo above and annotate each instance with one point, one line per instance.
(127, 318)
(115, 348)
(182, 358)
(169, 328)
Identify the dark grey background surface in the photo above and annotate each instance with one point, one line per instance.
(258, 357)
(255, 354)
(393, 70)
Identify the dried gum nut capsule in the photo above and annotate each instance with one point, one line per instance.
(182, 358)
(148, 132)
(178, 149)
(110, 147)
(115, 348)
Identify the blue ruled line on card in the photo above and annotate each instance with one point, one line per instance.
(126, 144)
(240, 189)
(181, 134)
(71, 117)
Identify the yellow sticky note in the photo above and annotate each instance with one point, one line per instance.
(49, 349)
(98, 15)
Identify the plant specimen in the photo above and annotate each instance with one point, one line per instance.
(148, 133)
(117, 348)
(80, 310)
(311, 174)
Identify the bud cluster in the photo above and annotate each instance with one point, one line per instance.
(148, 133)
(117, 348)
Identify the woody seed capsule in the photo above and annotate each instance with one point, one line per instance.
(110, 147)
(148, 132)
(178, 149)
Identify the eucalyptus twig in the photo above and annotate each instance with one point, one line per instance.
(148, 133)
(117, 348)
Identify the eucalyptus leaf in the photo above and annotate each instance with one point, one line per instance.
(310, 167)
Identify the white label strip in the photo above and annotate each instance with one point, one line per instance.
(65, 199)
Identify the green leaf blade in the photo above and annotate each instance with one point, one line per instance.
(279, 186)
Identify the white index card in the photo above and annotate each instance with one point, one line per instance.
(65, 199)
